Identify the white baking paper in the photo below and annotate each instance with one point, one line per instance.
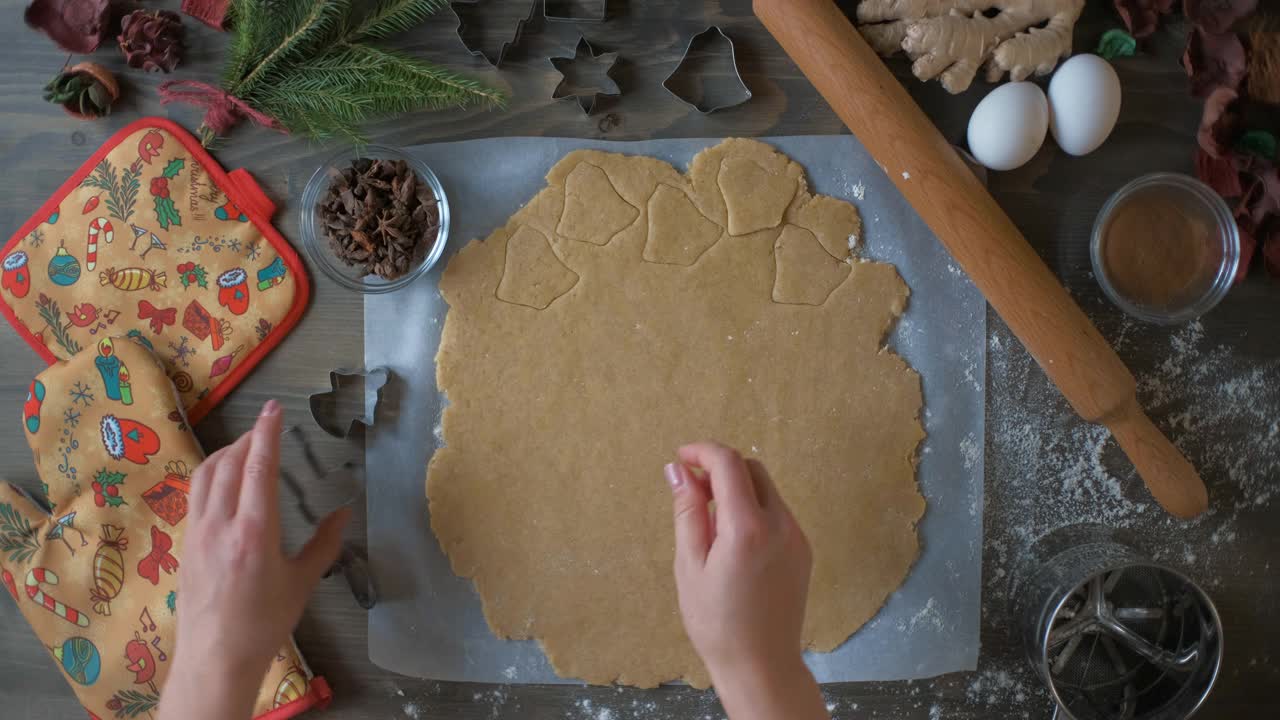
(428, 622)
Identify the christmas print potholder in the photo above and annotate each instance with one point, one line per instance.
(97, 577)
(152, 239)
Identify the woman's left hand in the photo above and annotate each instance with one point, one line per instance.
(239, 595)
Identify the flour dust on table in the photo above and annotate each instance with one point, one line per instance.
(624, 310)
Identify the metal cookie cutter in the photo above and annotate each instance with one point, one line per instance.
(471, 25)
(586, 11)
(328, 410)
(601, 85)
(352, 562)
(710, 55)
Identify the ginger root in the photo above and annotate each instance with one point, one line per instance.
(951, 39)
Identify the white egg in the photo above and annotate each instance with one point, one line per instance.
(1084, 103)
(1009, 125)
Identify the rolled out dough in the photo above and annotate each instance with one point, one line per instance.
(628, 309)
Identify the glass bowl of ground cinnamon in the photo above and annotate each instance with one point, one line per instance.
(374, 218)
(1165, 248)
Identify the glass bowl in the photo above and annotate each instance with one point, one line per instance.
(1200, 205)
(316, 241)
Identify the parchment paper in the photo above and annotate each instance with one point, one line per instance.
(428, 622)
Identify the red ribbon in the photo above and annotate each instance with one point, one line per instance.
(159, 318)
(222, 109)
(159, 558)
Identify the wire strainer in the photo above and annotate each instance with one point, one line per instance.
(1113, 635)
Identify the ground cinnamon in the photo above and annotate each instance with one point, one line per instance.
(1156, 247)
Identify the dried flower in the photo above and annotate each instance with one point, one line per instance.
(1213, 60)
(77, 26)
(152, 39)
(1142, 17)
(1220, 123)
(1218, 16)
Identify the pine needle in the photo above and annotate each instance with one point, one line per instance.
(392, 17)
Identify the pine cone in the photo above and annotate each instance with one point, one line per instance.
(152, 39)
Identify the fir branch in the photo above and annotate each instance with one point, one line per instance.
(303, 63)
(133, 703)
(121, 192)
(52, 316)
(103, 177)
(128, 194)
(320, 24)
(392, 17)
(418, 83)
(17, 538)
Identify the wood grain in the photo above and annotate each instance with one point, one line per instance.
(1053, 200)
(955, 204)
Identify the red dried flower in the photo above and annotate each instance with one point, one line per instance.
(1142, 17)
(77, 26)
(1219, 173)
(1213, 60)
(1218, 16)
(152, 39)
(1220, 123)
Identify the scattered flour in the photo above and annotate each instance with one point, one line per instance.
(859, 191)
(411, 710)
(971, 449)
(1047, 469)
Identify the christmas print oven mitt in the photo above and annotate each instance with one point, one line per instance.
(151, 239)
(97, 578)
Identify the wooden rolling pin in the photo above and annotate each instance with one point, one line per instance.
(981, 237)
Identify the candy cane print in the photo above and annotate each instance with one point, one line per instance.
(99, 227)
(35, 576)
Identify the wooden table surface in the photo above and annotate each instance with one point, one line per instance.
(1053, 199)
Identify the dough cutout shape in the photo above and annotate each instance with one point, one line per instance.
(532, 274)
(678, 232)
(593, 210)
(807, 274)
(549, 495)
(755, 196)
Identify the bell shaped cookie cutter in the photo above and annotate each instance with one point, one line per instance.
(586, 95)
(687, 81)
(470, 29)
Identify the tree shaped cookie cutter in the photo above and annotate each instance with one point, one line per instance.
(353, 562)
(471, 26)
(686, 82)
(586, 95)
(327, 410)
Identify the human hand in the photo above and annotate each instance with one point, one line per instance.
(239, 595)
(742, 573)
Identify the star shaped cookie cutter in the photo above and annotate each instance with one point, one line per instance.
(586, 94)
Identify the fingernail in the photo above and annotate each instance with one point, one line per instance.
(675, 473)
(271, 408)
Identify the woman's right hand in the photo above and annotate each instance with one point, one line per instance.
(742, 572)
